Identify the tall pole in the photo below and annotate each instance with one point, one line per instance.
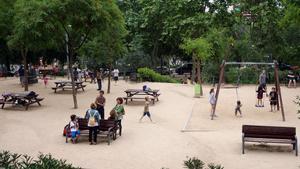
(67, 54)
(218, 87)
(278, 89)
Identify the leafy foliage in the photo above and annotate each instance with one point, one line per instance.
(195, 163)
(147, 74)
(10, 160)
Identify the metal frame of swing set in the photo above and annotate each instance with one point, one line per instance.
(277, 84)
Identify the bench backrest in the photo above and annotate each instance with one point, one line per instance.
(83, 124)
(269, 132)
(106, 124)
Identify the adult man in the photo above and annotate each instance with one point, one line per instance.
(100, 102)
(263, 80)
(116, 75)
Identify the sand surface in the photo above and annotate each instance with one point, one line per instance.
(146, 145)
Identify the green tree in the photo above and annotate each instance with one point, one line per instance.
(27, 28)
(200, 49)
(74, 23)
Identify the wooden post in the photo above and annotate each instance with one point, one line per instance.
(278, 89)
(219, 86)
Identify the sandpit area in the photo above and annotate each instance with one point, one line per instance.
(150, 145)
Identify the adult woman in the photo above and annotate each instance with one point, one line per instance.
(119, 112)
(292, 79)
(93, 117)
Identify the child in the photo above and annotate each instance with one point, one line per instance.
(212, 101)
(146, 110)
(238, 108)
(260, 92)
(74, 127)
(45, 78)
(273, 99)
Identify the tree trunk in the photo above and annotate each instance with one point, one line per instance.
(109, 78)
(24, 55)
(199, 75)
(74, 91)
(193, 71)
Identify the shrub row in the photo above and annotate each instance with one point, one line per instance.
(10, 160)
(150, 75)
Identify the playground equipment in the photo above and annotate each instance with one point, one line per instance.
(276, 76)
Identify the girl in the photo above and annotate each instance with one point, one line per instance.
(146, 110)
(119, 112)
(45, 78)
(74, 127)
(212, 101)
(260, 93)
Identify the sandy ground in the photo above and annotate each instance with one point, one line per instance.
(146, 145)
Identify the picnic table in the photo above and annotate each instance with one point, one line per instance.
(23, 98)
(131, 93)
(65, 85)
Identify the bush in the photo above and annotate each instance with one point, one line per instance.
(195, 163)
(9, 160)
(147, 74)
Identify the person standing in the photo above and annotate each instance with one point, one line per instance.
(116, 75)
(99, 79)
(273, 96)
(21, 72)
(93, 117)
(292, 79)
(146, 110)
(263, 81)
(119, 112)
(212, 100)
(100, 103)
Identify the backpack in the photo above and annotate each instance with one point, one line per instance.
(92, 119)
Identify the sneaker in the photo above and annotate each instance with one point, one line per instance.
(91, 143)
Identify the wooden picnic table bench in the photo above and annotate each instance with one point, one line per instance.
(269, 134)
(107, 128)
(24, 98)
(67, 85)
(131, 93)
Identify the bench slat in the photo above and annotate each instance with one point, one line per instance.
(264, 140)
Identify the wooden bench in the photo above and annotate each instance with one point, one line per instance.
(138, 98)
(107, 128)
(269, 134)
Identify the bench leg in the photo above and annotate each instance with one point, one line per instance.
(295, 146)
(126, 101)
(243, 145)
(2, 107)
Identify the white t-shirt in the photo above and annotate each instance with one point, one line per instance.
(116, 73)
(212, 98)
(73, 126)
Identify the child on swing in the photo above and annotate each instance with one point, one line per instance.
(260, 93)
(238, 108)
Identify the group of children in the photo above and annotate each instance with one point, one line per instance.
(273, 98)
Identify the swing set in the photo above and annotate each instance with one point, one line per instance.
(276, 76)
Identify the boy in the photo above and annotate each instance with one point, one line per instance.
(238, 108)
(146, 110)
(273, 99)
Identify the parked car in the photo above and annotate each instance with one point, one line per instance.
(163, 70)
(185, 68)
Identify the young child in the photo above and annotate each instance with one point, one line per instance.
(74, 127)
(260, 92)
(273, 96)
(146, 110)
(238, 108)
(45, 78)
(212, 101)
